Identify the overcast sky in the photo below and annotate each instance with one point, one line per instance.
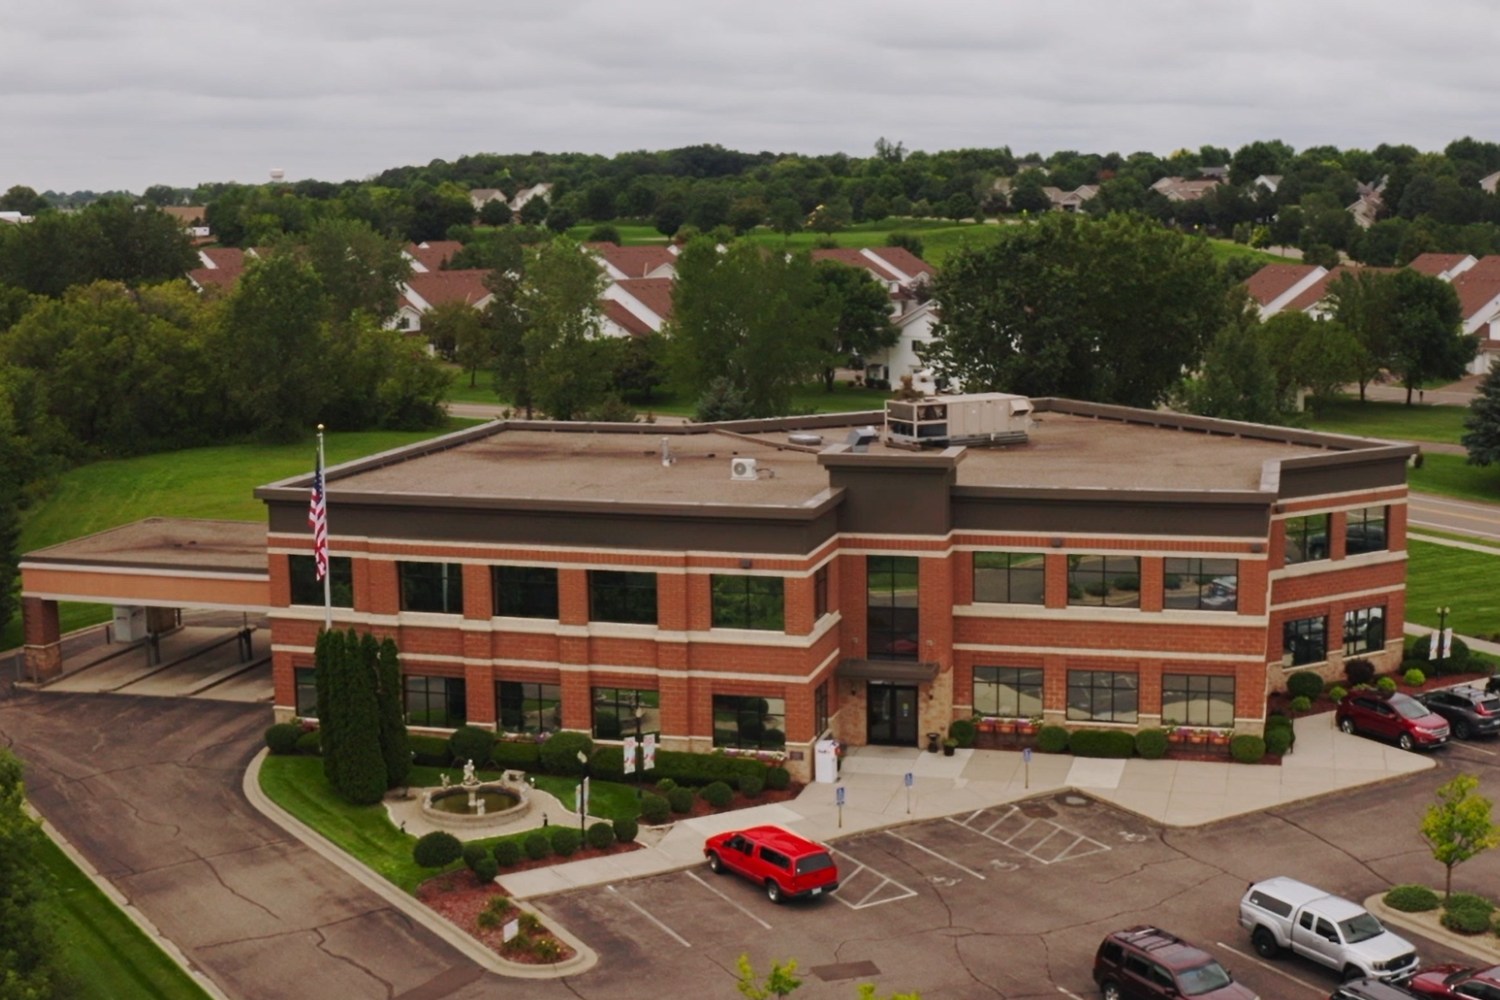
(125, 93)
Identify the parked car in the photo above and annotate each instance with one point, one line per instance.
(1147, 963)
(1370, 989)
(1395, 716)
(1284, 913)
(1470, 712)
(786, 865)
(1457, 981)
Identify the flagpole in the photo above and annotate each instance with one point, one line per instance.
(328, 576)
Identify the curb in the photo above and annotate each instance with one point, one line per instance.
(127, 907)
(1437, 932)
(584, 957)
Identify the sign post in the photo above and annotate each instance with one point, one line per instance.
(1026, 762)
(908, 781)
(839, 798)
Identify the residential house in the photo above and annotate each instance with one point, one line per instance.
(1274, 286)
(1489, 182)
(222, 267)
(634, 307)
(1070, 201)
(481, 197)
(1478, 289)
(623, 263)
(14, 218)
(1182, 189)
(431, 255)
(906, 277)
(1268, 181)
(1446, 266)
(1220, 174)
(426, 289)
(1366, 208)
(543, 191)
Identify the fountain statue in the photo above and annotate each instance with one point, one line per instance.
(474, 803)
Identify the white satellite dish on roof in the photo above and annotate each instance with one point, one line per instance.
(277, 173)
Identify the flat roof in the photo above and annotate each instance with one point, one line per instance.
(169, 543)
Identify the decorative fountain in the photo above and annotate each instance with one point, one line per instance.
(473, 804)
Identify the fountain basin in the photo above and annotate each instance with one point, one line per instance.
(506, 802)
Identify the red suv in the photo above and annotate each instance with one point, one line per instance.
(1146, 963)
(1393, 716)
(789, 866)
(1456, 981)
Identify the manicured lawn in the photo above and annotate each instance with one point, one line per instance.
(1389, 420)
(1469, 539)
(607, 799)
(1452, 475)
(1225, 249)
(107, 957)
(1463, 581)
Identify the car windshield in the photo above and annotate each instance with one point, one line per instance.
(813, 863)
(1490, 705)
(1360, 928)
(1203, 979)
(1458, 977)
(1409, 707)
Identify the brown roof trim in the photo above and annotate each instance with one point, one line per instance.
(840, 457)
(111, 565)
(1112, 495)
(887, 670)
(1208, 425)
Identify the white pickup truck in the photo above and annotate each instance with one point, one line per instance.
(1284, 913)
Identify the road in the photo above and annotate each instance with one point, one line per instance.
(1460, 517)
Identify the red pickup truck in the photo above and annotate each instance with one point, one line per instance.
(788, 866)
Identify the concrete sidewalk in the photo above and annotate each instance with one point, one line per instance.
(1173, 793)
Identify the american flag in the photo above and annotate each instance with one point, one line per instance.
(317, 516)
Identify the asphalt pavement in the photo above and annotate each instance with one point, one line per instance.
(1460, 517)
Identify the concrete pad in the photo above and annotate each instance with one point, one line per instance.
(1089, 772)
(707, 826)
(991, 766)
(1152, 804)
(536, 882)
(1216, 784)
(1141, 780)
(254, 685)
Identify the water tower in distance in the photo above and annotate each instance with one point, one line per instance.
(278, 173)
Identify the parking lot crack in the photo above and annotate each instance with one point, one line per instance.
(1362, 862)
(390, 988)
(233, 891)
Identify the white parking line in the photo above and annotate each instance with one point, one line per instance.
(645, 913)
(1069, 993)
(1467, 746)
(1066, 854)
(726, 899)
(846, 879)
(1271, 968)
(935, 854)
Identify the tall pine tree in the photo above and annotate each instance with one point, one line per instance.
(1483, 421)
(361, 767)
(393, 743)
(327, 657)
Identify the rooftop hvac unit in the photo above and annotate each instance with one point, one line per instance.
(743, 470)
(941, 421)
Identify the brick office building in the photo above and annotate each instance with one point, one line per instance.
(1121, 568)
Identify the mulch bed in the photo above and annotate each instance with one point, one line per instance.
(582, 854)
(461, 897)
(1280, 702)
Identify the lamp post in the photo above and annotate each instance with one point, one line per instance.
(636, 765)
(1442, 638)
(583, 789)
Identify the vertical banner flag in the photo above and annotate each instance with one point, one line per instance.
(648, 754)
(629, 749)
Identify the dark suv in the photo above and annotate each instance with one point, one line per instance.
(1146, 963)
(1469, 711)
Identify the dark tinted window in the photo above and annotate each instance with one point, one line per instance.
(749, 721)
(1104, 581)
(1365, 531)
(1304, 640)
(1271, 903)
(891, 607)
(1201, 584)
(308, 589)
(1197, 699)
(1138, 965)
(427, 586)
(753, 602)
(813, 863)
(524, 591)
(1161, 977)
(307, 692)
(1008, 692)
(1112, 952)
(529, 708)
(1102, 696)
(436, 701)
(1306, 538)
(1010, 577)
(775, 858)
(617, 596)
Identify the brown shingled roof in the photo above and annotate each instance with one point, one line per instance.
(905, 260)
(1273, 280)
(1434, 264)
(437, 287)
(634, 262)
(1477, 288)
(853, 258)
(653, 293)
(1319, 289)
(624, 318)
(435, 253)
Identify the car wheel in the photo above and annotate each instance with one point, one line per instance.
(773, 891)
(1351, 972)
(715, 865)
(1265, 943)
(1109, 990)
(1347, 726)
(1461, 730)
(1405, 742)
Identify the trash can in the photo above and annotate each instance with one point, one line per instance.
(932, 742)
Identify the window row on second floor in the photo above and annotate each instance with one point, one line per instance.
(1106, 581)
(1307, 535)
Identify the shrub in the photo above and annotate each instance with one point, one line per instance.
(1304, 684)
(508, 853)
(311, 742)
(282, 738)
(964, 731)
(717, 794)
(1359, 672)
(546, 950)
(1278, 740)
(778, 779)
(529, 923)
(1052, 739)
(665, 785)
(473, 854)
(511, 755)
(1101, 743)
(1412, 898)
(681, 800)
(1247, 749)
(1469, 899)
(1386, 684)
(1467, 913)
(1337, 693)
(438, 849)
(565, 840)
(1151, 743)
(626, 830)
(601, 835)
(471, 743)
(560, 753)
(429, 751)
(537, 846)
(698, 769)
(751, 786)
(1456, 662)
(486, 868)
(1414, 678)
(655, 810)
(1301, 704)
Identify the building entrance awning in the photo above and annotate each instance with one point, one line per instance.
(906, 671)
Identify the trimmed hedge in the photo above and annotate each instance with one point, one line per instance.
(692, 769)
(964, 731)
(471, 743)
(1101, 743)
(778, 779)
(473, 854)
(508, 853)
(282, 738)
(681, 800)
(626, 830)
(1304, 684)
(1386, 684)
(718, 794)
(537, 846)
(438, 849)
(311, 742)
(1456, 662)
(565, 841)
(665, 785)
(1052, 739)
(1247, 749)
(1412, 898)
(1467, 913)
(560, 753)
(655, 810)
(751, 786)
(1152, 743)
(1337, 693)
(601, 835)
(1278, 740)
(429, 751)
(1301, 703)
(1414, 677)
(486, 869)
(516, 756)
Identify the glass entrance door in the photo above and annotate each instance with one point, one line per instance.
(892, 715)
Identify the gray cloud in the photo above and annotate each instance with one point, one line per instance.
(126, 93)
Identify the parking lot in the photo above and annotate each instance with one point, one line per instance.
(1013, 901)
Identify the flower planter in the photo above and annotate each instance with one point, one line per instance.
(1219, 739)
(1176, 737)
(948, 750)
(1198, 738)
(1026, 728)
(1005, 727)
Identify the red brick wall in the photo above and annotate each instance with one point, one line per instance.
(852, 597)
(1139, 634)
(479, 689)
(573, 596)
(799, 605)
(1056, 580)
(278, 567)
(385, 587)
(478, 603)
(1152, 581)
(1395, 527)
(577, 700)
(1338, 524)
(1253, 586)
(963, 577)
(700, 602)
(672, 601)
(935, 610)
(39, 621)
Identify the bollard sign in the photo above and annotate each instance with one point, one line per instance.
(649, 754)
(1026, 755)
(629, 752)
(840, 795)
(908, 779)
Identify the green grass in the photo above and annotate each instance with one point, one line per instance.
(607, 799)
(1389, 420)
(105, 955)
(1225, 249)
(1488, 543)
(1451, 475)
(1458, 579)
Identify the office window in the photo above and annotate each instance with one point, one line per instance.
(1201, 584)
(820, 592)
(1306, 538)
(891, 606)
(615, 711)
(1304, 641)
(308, 589)
(621, 596)
(1104, 581)
(749, 602)
(440, 702)
(820, 709)
(524, 591)
(1008, 692)
(528, 707)
(1102, 696)
(1364, 631)
(307, 692)
(1010, 578)
(1197, 700)
(429, 586)
(749, 721)
(1365, 530)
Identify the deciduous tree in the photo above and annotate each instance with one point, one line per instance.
(29, 966)
(360, 269)
(862, 310)
(559, 296)
(779, 982)
(1427, 337)
(1459, 826)
(1237, 381)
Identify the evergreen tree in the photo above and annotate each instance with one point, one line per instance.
(361, 766)
(393, 743)
(28, 955)
(1483, 421)
(327, 655)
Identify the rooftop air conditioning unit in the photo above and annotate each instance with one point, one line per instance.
(743, 470)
